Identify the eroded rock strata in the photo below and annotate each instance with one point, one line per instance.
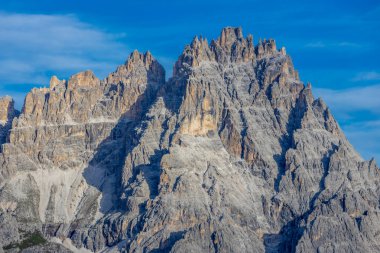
(232, 154)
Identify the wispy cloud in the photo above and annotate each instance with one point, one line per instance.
(365, 98)
(318, 44)
(348, 44)
(36, 46)
(367, 76)
(339, 44)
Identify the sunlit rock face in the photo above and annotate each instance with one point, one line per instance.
(231, 154)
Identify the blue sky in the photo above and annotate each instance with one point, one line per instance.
(334, 44)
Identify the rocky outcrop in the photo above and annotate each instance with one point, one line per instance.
(7, 114)
(231, 154)
(6, 109)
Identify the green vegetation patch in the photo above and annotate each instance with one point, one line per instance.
(31, 240)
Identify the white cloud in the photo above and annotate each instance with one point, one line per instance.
(348, 44)
(318, 44)
(34, 45)
(367, 76)
(354, 99)
(332, 44)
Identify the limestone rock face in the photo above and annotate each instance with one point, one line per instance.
(6, 109)
(7, 114)
(231, 154)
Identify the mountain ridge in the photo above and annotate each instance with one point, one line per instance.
(231, 154)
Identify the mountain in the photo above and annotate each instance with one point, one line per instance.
(231, 154)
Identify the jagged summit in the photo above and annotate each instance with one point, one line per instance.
(139, 64)
(6, 108)
(229, 36)
(230, 47)
(232, 154)
(83, 79)
(136, 56)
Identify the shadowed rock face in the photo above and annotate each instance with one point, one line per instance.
(232, 154)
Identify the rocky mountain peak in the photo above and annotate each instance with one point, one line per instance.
(198, 43)
(266, 48)
(83, 79)
(139, 63)
(55, 82)
(229, 36)
(136, 58)
(230, 47)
